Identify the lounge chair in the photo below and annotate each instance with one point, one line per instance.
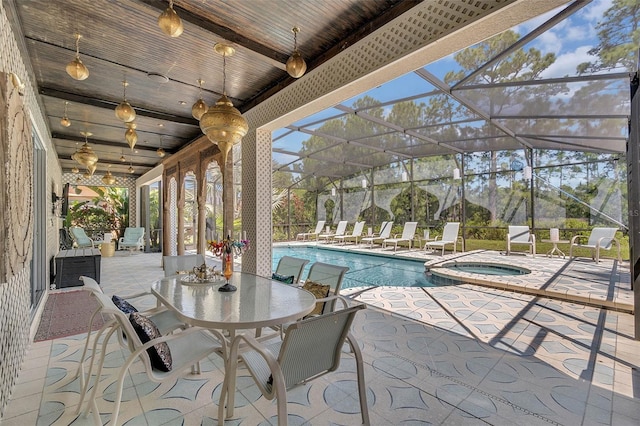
(80, 238)
(599, 239)
(176, 264)
(522, 236)
(355, 234)
(449, 236)
(408, 233)
(384, 234)
(307, 235)
(311, 348)
(133, 239)
(340, 230)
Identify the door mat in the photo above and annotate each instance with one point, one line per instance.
(67, 314)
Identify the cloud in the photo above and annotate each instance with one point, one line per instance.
(566, 63)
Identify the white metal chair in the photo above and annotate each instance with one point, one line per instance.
(173, 264)
(187, 348)
(449, 236)
(291, 266)
(133, 239)
(522, 236)
(80, 237)
(304, 235)
(384, 234)
(355, 234)
(340, 230)
(311, 348)
(599, 239)
(408, 233)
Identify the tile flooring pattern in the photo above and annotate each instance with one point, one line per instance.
(461, 354)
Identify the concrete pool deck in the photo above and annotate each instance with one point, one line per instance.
(581, 280)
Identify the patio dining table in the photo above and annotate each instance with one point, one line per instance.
(257, 303)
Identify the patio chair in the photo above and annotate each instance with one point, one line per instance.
(408, 233)
(175, 264)
(522, 236)
(327, 275)
(599, 239)
(163, 357)
(289, 266)
(384, 234)
(311, 348)
(340, 230)
(304, 235)
(355, 234)
(133, 239)
(165, 320)
(449, 236)
(80, 238)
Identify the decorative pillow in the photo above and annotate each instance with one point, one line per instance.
(287, 279)
(159, 354)
(123, 305)
(319, 291)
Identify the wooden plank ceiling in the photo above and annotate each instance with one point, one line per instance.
(122, 41)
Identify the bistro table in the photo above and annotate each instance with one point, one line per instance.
(258, 302)
(555, 249)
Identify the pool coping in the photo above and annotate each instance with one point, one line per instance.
(554, 278)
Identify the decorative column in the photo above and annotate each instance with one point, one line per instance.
(228, 196)
(180, 197)
(201, 178)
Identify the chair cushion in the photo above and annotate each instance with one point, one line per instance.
(159, 354)
(287, 279)
(123, 305)
(319, 291)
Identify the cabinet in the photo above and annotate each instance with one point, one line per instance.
(71, 264)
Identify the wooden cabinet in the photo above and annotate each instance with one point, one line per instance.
(71, 264)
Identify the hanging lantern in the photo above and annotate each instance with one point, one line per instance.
(130, 135)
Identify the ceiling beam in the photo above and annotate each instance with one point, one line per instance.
(101, 103)
(100, 142)
(269, 55)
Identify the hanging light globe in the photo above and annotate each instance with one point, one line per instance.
(86, 156)
(161, 152)
(130, 135)
(75, 170)
(296, 66)
(224, 125)
(122, 158)
(131, 170)
(92, 168)
(169, 22)
(76, 69)
(108, 178)
(86, 175)
(65, 121)
(198, 109)
(125, 112)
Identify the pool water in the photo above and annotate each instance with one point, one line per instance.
(487, 269)
(364, 270)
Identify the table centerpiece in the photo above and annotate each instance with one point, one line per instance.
(228, 249)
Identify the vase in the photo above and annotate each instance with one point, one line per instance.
(227, 271)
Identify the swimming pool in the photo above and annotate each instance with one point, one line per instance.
(364, 270)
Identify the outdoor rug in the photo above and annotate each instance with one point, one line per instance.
(67, 314)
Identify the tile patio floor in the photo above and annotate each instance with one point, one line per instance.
(462, 354)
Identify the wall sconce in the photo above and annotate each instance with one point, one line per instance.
(364, 183)
(333, 192)
(456, 174)
(405, 176)
(56, 202)
(527, 172)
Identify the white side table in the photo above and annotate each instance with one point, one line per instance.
(555, 249)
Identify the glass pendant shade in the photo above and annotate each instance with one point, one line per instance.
(161, 152)
(108, 178)
(224, 125)
(122, 158)
(86, 156)
(77, 70)
(198, 109)
(131, 169)
(125, 112)
(169, 22)
(130, 135)
(92, 168)
(65, 121)
(86, 175)
(75, 170)
(296, 66)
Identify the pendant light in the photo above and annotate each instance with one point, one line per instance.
(65, 120)
(169, 22)
(200, 107)
(130, 135)
(85, 156)
(76, 69)
(131, 166)
(222, 123)
(122, 158)
(160, 151)
(75, 170)
(125, 111)
(92, 168)
(296, 66)
(108, 178)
